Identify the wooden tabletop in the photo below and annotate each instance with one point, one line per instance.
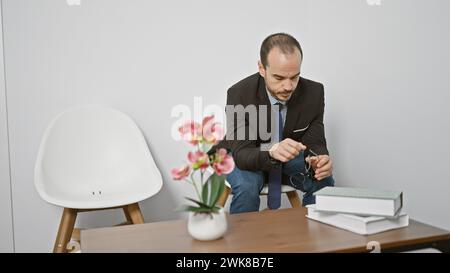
(284, 230)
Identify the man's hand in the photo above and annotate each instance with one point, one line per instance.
(286, 150)
(322, 165)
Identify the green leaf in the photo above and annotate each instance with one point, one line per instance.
(215, 209)
(217, 184)
(205, 192)
(202, 205)
(219, 192)
(198, 209)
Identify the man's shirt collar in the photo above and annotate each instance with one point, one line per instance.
(273, 100)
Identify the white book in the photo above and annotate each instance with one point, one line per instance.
(359, 201)
(364, 225)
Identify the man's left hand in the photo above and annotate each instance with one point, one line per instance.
(322, 165)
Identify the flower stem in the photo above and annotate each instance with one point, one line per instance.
(201, 177)
(195, 186)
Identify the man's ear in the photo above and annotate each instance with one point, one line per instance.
(262, 70)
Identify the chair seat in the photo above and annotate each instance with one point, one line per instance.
(265, 189)
(284, 189)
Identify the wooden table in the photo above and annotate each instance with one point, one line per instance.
(284, 230)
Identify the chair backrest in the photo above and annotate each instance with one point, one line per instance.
(95, 157)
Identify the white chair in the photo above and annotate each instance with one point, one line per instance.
(94, 158)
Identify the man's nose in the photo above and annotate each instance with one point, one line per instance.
(288, 85)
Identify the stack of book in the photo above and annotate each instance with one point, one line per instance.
(363, 211)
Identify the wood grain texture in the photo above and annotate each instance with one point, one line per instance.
(284, 230)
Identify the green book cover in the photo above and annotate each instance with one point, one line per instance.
(359, 193)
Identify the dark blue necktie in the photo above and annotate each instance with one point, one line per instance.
(274, 196)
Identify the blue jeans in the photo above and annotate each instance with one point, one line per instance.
(246, 185)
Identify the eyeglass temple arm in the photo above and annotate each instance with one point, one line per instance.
(312, 152)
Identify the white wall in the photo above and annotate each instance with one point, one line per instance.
(385, 69)
(6, 228)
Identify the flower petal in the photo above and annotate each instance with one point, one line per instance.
(181, 173)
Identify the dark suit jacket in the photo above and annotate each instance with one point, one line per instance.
(304, 120)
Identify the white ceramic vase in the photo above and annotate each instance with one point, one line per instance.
(207, 226)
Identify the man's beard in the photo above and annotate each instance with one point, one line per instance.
(283, 96)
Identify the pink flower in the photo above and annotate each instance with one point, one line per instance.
(178, 174)
(223, 163)
(191, 132)
(199, 160)
(211, 131)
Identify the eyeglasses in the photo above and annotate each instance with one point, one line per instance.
(303, 180)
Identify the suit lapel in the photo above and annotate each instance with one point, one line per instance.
(262, 92)
(264, 101)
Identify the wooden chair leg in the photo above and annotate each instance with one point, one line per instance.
(76, 234)
(74, 242)
(127, 214)
(134, 212)
(294, 199)
(65, 230)
(223, 198)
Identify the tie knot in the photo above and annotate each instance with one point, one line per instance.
(280, 106)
